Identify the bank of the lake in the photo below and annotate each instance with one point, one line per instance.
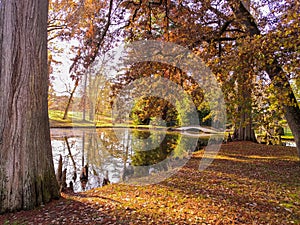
(247, 183)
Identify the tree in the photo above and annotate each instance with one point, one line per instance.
(228, 35)
(273, 64)
(208, 29)
(70, 99)
(27, 177)
(151, 108)
(85, 26)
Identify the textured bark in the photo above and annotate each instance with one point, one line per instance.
(290, 107)
(292, 115)
(27, 177)
(244, 131)
(276, 74)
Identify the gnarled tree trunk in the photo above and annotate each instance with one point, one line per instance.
(244, 130)
(290, 107)
(276, 74)
(27, 177)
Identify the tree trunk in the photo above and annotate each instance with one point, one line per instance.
(92, 111)
(245, 131)
(292, 115)
(27, 177)
(276, 74)
(290, 107)
(92, 92)
(84, 98)
(70, 99)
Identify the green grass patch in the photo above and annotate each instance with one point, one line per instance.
(73, 120)
(288, 135)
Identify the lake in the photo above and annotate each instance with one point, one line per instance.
(134, 156)
(123, 155)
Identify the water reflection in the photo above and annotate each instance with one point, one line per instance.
(93, 157)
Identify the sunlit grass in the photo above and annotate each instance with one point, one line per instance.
(73, 119)
(288, 136)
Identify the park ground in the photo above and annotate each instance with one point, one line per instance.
(247, 183)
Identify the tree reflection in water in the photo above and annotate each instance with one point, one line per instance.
(120, 155)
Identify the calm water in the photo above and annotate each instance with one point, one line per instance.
(125, 155)
(122, 155)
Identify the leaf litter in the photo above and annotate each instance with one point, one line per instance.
(247, 183)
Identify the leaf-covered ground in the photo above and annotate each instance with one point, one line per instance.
(246, 184)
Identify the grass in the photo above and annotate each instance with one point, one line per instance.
(75, 120)
(288, 135)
